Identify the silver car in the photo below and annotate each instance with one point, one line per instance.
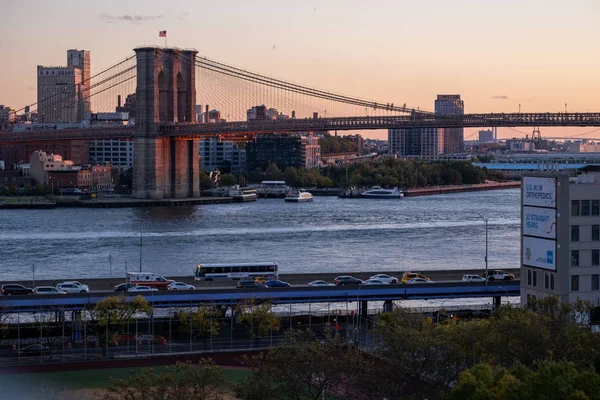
(47, 290)
(73, 287)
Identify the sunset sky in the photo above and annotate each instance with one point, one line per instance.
(497, 54)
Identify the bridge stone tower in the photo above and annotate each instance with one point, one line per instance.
(165, 167)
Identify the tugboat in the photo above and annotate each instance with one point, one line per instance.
(298, 196)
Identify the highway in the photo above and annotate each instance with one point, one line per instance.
(296, 280)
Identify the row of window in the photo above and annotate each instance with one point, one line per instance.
(575, 257)
(532, 277)
(583, 208)
(575, 233)
(575, 283)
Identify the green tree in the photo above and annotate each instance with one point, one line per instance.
(291, 177)
(180, 382)
(272, 173)
(259, 319)
(203, 322)
(306, 368)
(228, 180)
(205, 181)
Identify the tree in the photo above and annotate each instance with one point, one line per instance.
(258, 318)
(112, 312)
(203, 322)
(272, 173)
(180, 382)
(307, 367)
(228, 180)
(205, 181)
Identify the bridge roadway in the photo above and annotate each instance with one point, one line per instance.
(292, 295)
(104, 284)
(417, 120)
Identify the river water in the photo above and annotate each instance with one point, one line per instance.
(328, 235)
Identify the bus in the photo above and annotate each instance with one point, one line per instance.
(208, 272)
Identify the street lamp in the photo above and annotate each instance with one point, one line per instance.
(486, 245)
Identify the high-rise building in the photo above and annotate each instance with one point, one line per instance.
(63, 92)
(560, 236)
(261, 113)
(225, 156)
(486, 136)
(425, 143)
(299, 151)
(451, 104)
(7, 114)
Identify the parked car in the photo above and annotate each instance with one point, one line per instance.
(245, 284)
(411, 275)
(499, 275)
(419, 280)
(10, 289)
(142, 289)
(374, 282)
(47, 290)
(123, 287)
(180, 286)
(347, 280)
(276, 283)
(34, 350)
(385, 278)
(318, 283)
(72, 287)
(473, 278)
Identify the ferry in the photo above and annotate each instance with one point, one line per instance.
(298, 196)
(377, 192)
(273, 189)
(243, 194)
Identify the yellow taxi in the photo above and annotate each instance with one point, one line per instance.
(407, 276)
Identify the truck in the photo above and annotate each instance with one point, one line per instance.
(148, 279)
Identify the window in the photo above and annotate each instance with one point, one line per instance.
(534, 278)
(551, 281)
(529, 277)
(574, 258)
(595, 257)
(574, 208)
(595, 207)
(585, 207)
(575, 233)
(546, 281)
(596, 232)
(595, 282)
(574, 283)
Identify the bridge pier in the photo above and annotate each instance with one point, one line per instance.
(163, 166)
(388, 306)
(497, 301)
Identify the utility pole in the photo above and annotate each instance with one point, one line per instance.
(141, 238)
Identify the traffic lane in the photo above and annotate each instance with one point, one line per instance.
(105, 284)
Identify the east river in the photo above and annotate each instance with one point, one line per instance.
(329, 235)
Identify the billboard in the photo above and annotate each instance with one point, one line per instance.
(539, 253)
(539, 222)
(539, 191)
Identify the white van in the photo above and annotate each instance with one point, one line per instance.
(148, 279)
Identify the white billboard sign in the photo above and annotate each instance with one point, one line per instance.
(539, 253)
(539, 191)
(539, 222)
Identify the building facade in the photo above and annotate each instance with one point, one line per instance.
(560, 236)
(7, 114)
(425, 143)
(81, 60)
(486, 136)
(74, 150)
(284, 150)
(116, 152)
(451, 104)
(41, 163)
(224, 156)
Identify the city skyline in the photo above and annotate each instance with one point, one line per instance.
(340, 48)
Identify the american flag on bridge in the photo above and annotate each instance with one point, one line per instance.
(162, 33)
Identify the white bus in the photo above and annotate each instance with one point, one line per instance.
(208, 272)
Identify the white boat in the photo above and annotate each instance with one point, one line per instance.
(377, 192)
(242, 194)
(298, 196)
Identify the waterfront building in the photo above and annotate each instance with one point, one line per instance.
(299, 151)
(116, 152)
(451, 104)
(96, 177)
(560, 236)
(426, 143)
(41, 163)
(74, 150)
(222, 155)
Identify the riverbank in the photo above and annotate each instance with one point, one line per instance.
(461, 188)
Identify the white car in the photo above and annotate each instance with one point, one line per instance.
(385, 278)
(374, 282)
(180, 286)
(320, 283)
(418, 280)
(47, 290)
(473, 278)
(142, 289)
(73, 287)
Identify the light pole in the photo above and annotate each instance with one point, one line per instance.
(439, 308)
(486, 245)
